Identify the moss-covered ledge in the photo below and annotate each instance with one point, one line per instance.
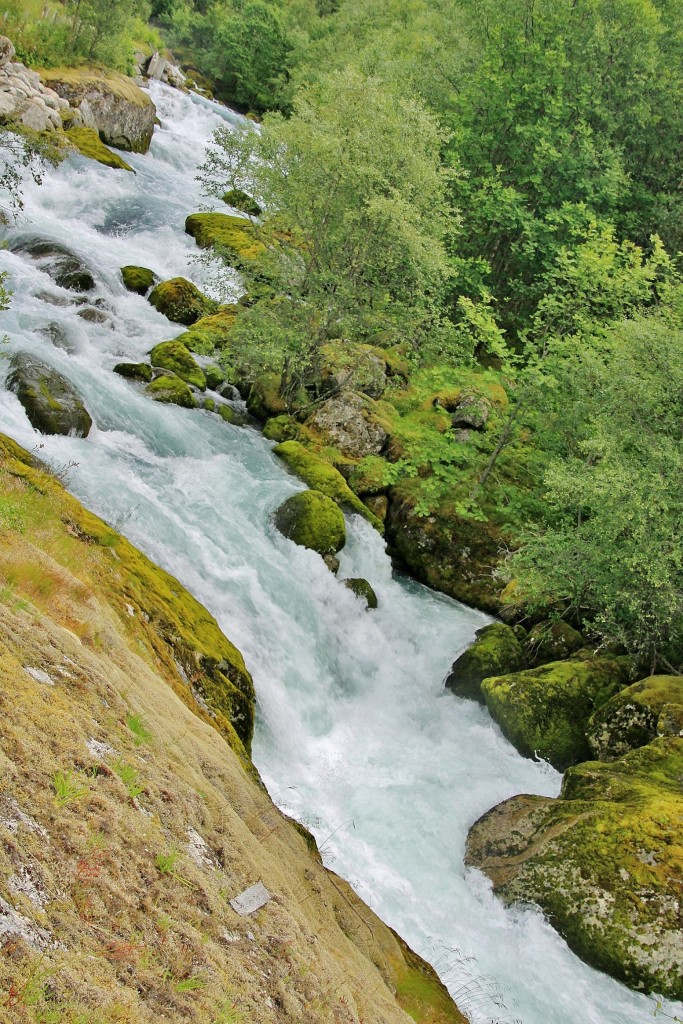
(175, 633)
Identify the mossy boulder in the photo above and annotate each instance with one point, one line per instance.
(321, 476)
(65, 267)
(181, 301)
(544, 711)
(282, 428)
(135, 371)
(240, 200)
(264, 399)
(351, 367)
(89, 144)
(351, 423)
(210, 334)
(552, 641)
(172, 355)
(172, 390)
(630, 719)
(313, 520)
(138, 279)
(362, 589)
(51, 402)
(234, 236)
(496, 651)
(604, 862)
(122, 114)
(214, 377)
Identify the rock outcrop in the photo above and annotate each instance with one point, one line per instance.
(634, 716)
(350, 422)
(120, 112)
(24, 100)
(170, 389)
(496, 651)
(604, 861)
(51, 402)
(65, 267)
(362, 589)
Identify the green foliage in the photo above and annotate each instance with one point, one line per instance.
(137, 726)
(130, 778)
(68, 787)
(357, 216)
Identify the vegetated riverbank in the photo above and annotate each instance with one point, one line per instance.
(315, 469)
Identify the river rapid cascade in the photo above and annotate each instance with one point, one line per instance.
(355, 736)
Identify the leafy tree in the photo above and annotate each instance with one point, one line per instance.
(610, 545)
(355, 195)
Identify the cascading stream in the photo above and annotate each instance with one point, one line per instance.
(355, 734)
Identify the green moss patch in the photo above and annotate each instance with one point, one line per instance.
(135, 371)
(173, 391)
(89, 144)
(138, 279)
(321, 476)
(630, 719)
(172, 355)
(312, 520)
(496, 651)
(240, 200)
(210, 334)
(181, 301)
(234, 236)
(545, 711)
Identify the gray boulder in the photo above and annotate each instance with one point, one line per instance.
(51, 402)
(348, 421)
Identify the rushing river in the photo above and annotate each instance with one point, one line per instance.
(355, 734)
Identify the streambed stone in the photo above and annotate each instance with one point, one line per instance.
(52, 403)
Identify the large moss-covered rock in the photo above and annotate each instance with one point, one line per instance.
(264, 399)
(545, 711)
(552, 641)
(172, 355)
(210, 334)
(604, 862)
(89, 144)
(234, 236)
(240, 200)
(51, 402)
(181, 301)
(113, 105)
(630, 719)
(171, 390)
(362, 589)
(352, 367)
(312, 520)
(138, 279)
(496, 651)
(135, 371)
(321, 476)
(351, 424)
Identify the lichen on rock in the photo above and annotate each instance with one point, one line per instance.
(630, 719)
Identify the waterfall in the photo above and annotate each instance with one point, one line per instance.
(355, 734)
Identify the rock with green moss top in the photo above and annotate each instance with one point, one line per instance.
(630, 719)
(496, 651)
(264, 399)
(552, 641)
(234, 416)
(604, 861)
(282, 428)
(312, 520)
(172, 390)
(234, 236)
(138, 279)
(210, 333)
(370, 476)
(122, 114)
(181, 301)
(240, 200)
(209, 404)
(50, 401)
(545, 711)
(362, 589)
(347, 366)
(173, 356)
(89, 144)
(214, 377)
(321, 476)
(135, 371)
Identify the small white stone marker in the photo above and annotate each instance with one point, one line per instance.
(251, 900)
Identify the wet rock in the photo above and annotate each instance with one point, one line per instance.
(362, 589)
(312, 520)
(181, 301)
(496, 651)
(172, 355)
(630, 719)
(603, 862)
(332, 563)
(89, 144)
(94, 316)
(544, 711)
(135, 371)
(349, 421)
(64, 267)
(52, 404)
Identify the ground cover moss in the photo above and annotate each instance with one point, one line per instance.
(234, 236)
(496, 651)
(210, 334)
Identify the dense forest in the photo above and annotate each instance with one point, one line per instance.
(493, 192)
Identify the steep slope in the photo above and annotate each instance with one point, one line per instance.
(128, 823)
